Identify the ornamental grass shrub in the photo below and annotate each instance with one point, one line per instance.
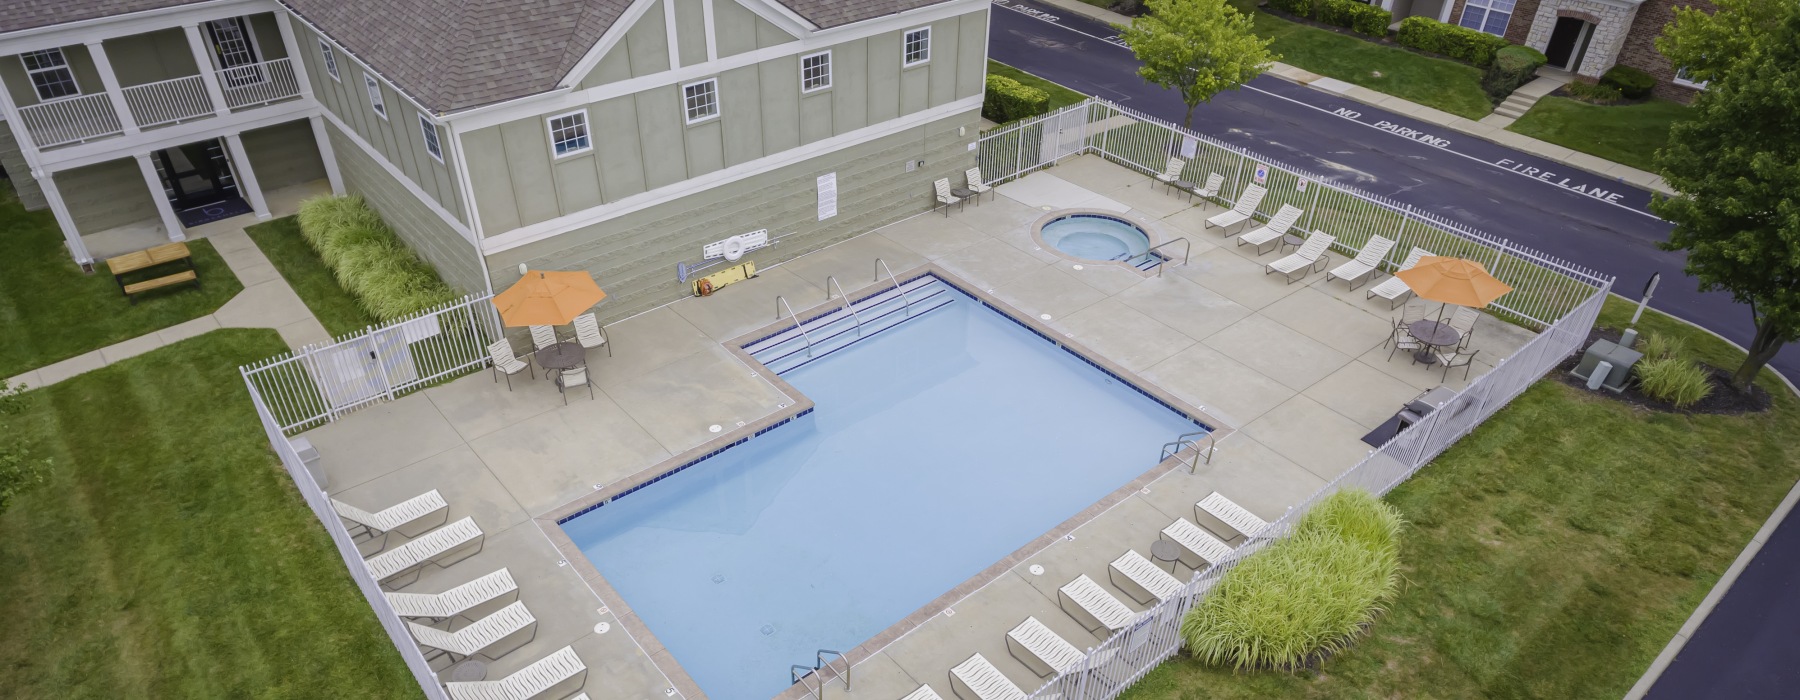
(1461, 43)
(1658, 346)
(1677, 380)
(1306, 597)
(371, 263)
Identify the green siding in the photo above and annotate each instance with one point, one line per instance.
(971, 73)
(705, 148)
(13, 161)
(532, 181)
(613, 67)
(690, 31)
(768, 35)
(648, 42)
(107, 195)
(150, 57)
(267, 35)
(850, 85)
(743, 131)
(815, 117)
(423, 230)
(495, 204)
(780, 104)
(284, 154)
(661, 126)
(735, 27)
(622, 158)
(12, 70)
(884, 77)
(941, 88)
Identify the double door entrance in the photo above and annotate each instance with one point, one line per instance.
(197, 179)
(1569, 43)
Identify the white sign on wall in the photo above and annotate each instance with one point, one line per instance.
(1189, 146)
(827, 196)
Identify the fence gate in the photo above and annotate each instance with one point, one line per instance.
(363, 368)
(1065, 134)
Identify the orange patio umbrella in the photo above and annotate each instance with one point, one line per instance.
(1453, 281)
(547, 298)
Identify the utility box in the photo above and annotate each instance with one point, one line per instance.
(309, 456)
(1620, 358)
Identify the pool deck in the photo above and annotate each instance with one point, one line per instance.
(1296, 370)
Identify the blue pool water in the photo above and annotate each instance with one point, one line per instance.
(1096, 237)
(937, 447)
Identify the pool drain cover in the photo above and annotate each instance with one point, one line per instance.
(1037, 570)
(715, 428)
(602, 628)
(768, 630)
(718, 578)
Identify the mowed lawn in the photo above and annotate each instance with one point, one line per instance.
(1628, 134)
(1553, 552)
(301, 266)
(169, 555)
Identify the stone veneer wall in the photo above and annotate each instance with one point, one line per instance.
(1640, 45)
(1608, 34)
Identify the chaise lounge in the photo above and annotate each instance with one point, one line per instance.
(441, 547)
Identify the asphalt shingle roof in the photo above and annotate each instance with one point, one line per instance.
(28, 14)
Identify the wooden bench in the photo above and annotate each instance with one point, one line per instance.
(143, 259)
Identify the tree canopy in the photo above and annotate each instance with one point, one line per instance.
(1197, 47)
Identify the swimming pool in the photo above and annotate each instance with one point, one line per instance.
(1097, 237)
(936, 447)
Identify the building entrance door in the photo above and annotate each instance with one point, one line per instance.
(197, 179)
(1568, 43)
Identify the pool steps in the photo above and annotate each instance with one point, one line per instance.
(788, 349)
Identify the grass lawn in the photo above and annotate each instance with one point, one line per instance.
(1553, 552)
(1628, 134)
(51, 311)
(169, 555)
(300, 265)
(1060, 96)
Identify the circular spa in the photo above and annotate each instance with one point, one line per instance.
(1095, 236)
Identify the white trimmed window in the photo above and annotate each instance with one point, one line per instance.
(329, 57)
(375, 100)
(701, 100)
(1489, 16)
(569, 134)
(1683, 79)
(916, 48)
(50, 74)
(815, 71)
(429, 131)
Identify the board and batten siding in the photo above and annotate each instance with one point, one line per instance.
(642, 142)
(139, 59)
(284, 154)
(107, 195)
(397, 138)
(455, 258)
(24, 185)
(634, 255)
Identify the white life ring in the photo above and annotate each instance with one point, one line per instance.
(733, 248)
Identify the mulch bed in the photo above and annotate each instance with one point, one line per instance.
(1724, 399)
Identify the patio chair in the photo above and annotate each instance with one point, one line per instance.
(1394, 289)
(553, 676)
(471, 600)
(543, 336)
(1143, 581)
(1045, 651)
(923, 692)
(1403, 339)
(504, 362)
(412, 511)
(1271, 233)
(1201, 547)
(1171, 173)
(973, 175)
(1095, 609)
(982, 681)
(1463, 320)
(572, 377)
(1244, 210)
(1367, 262)
(1310, 257)
(590, 333)
(944, 198)
(441, 547)
(1210, 190)
(1460, 357)
(507, 629)
(1232, 514)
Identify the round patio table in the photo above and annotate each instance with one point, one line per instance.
(468, 671)
(560, 356)
(1291, 240)
(962, 192)
(1185, 186)
(1431, 334)
(1165, 551)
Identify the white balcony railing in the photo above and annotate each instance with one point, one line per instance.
(169, 101)
(71, 120)
(259, 83)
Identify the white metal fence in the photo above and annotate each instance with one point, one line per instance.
(318, 383)
(70, 120)
(168, 101)
(259, 83)
(320, 503)
(1545, 287)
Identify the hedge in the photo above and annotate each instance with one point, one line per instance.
(1008, 100)
(1460, 43)
(1359, 17)
(371, 263)
(1634, 84)
(1513, 67)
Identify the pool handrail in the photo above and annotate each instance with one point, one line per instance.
(781, 303)
(880, 266)
(1185, 440)
(1186, 247)
(832, 283)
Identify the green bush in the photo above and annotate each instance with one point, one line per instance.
(1306, 596)
(1009, 100)
(1594, 93)
(1679, 381)
(371, 263)
(1460, 43)
(1634, 84)
(1661, 346)
(1362, 18)
(1513, 67)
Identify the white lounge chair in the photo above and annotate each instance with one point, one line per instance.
(1201, 547)
(441, 547)
(1140, 579)
(1270, 233)
(589, 331)
(501, 352)
(1171, 173)
(471, 600)
(405, 516)
(973, 175)
(1244, 210)
(982, 681)
(1094, 608)
(944, 198)
(543, 336)
(1232, 514)
(1309, 258)
(1210, 190)
(1045, 652)
(553, 676)
(512, 625)
(1367, 262)
(924, 692)
(1394, 289)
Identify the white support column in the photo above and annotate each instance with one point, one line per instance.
(327, 155)
(246, 176)
(110, 80)
(204, 61)
(64, 220)
(285, 23)
(164, 210)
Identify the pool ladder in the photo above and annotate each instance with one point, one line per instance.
(1186, 440)
(781, 303)
(800, 672)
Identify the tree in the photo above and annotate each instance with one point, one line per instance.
(1736, 163)
(1707, 44)
(1197, 47)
